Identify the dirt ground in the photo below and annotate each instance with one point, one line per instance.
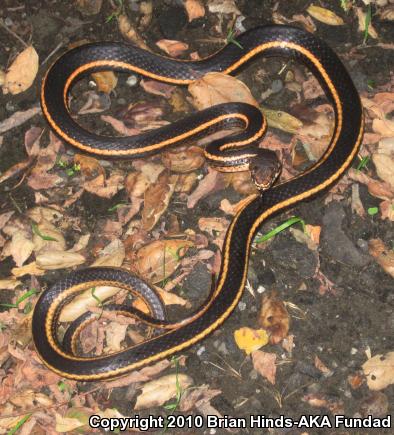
(339, 299)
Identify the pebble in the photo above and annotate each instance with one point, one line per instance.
(242, 306)
(131, 80)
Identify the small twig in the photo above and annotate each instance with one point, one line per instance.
(13, 33)
(57, 48)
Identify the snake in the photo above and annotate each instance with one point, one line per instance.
(238, 151)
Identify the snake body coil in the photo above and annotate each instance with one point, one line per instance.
(228, 154)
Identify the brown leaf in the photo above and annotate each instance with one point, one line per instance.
(15, 170)
(89, 166)
(171, 47)
(186, 182)
(264, 363)
(157, 88)
(361, 24)
(325, 15)
(379, 371)
(321, 366)
(195, 397)
(89, 7)
(184, 160)
(119, 126)
(356, 380)
(129, 32)
(21, 247)
(213, 225)
(311, 88)
(274, 318)
(383, 255)
(115, 333)
(194, 9)
(376, 188)
(9, 284)
(387, 210)
(159, 259)
(48, 230)
(52, 260)
(105, 188)
(215, 88)
(223, 7)
(157, 392)
(282, 120)
(22, 72)
(18, 118)
(106, 81)
(28, 269)
(212, 182)
(156, 199)
(143, 375)
(384, 160)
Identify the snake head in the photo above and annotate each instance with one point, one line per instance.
(265, 169)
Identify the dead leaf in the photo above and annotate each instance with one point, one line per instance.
(18, 118)
(183, 160)
(157, 392)
(321, 366)
(383, 255)
(249, 339)
(22, 72)
(384, 160)
(89, 7)
(67, 424)
(106, 81)
(223, 7)
(129, 32)
(159, 259)
(9, 284)
(157, 88)
(28, 269)
(143, 375)
(21, 247)
(213, 225)
(115, 333)
(264, 363)
(387, 210)
(212, 182)
(325, 15)
(376, 188)
(171, 47)
(194, 9)
(89, 166)
(282, 120)
(379, 371)
(105, 188)
(361, 24)
(38, 214)
(311, 88)
(387, 14)
(156, 199)
(274, 317)
(356, 380)
(216, 88)
(52, 260)
(48, 230)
